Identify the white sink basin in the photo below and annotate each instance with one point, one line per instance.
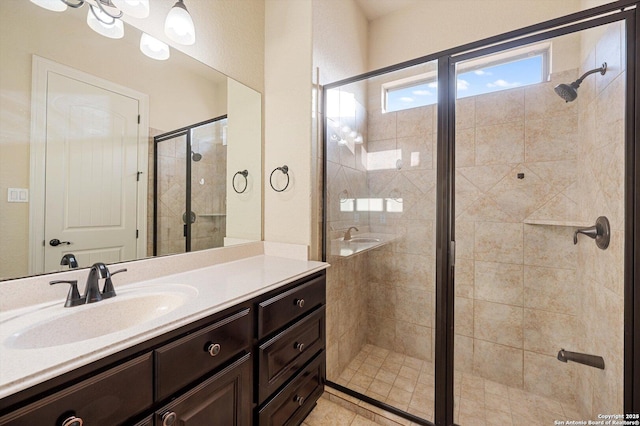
(55, 325)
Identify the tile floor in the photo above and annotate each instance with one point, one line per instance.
(407, 383)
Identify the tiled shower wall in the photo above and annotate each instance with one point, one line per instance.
(517, 298)
(601, 189)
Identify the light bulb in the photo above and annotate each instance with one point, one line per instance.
(52, 5)
(179, 26)
(135, 8)
(154, 48)
(115, 29)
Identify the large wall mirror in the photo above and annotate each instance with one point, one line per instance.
(112, 156)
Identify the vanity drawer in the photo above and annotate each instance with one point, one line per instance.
(223, 399)
(282, 356)
(108, 398)
(293, 403)
(282, 309)
(185, 360)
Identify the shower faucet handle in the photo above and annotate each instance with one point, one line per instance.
(601, 232)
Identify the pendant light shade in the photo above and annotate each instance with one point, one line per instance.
(104, 24)
(154, 48)
(135, 8)
(53, 5)
(179, 26)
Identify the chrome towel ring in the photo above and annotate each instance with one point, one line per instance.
(244, 174)
(285, 170)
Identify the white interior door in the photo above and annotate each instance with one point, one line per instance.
(91, 173)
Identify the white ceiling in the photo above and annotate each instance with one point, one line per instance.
(374, 9)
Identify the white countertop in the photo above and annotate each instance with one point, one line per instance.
(211, 289)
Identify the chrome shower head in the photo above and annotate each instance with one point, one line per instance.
(569, 92)
(195, 156)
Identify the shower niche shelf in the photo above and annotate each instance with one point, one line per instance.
(549, 222)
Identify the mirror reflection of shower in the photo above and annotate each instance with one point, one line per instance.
(190, 176)
(569, 92)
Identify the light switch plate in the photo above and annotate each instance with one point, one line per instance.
(18, 195)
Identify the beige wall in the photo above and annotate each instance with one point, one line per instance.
(244, 218)
(438, 25)
(287, 135)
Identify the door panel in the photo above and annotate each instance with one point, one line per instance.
(91, 162)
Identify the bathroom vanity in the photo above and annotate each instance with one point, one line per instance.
(247, 348)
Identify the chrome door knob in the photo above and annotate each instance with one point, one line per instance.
(169, 418)
(213, 349)
(72, 421)
(300, 303)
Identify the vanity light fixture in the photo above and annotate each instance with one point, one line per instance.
(179, 26)
(52, 5)
(102, 22)
(154, 48)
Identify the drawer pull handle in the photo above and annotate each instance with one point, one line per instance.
(213, 348)
(169, 418)
(299, 346)
(299, 400)
(300, 303)
(72, 421)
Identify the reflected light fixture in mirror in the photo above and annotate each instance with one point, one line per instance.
(52, 5)
(135, 8)
(179, 26)
(104, 16)
(103, 23)
(154, 48)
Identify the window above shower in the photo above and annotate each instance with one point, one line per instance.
(514, 68)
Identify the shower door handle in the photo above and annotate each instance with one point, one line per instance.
(601, 232)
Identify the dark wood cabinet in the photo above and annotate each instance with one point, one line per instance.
(281, 309)
(185, 360)
(291, 353)
(108, 398)
(294, 402)
(284, 355)
(224, 399)
(234, 368)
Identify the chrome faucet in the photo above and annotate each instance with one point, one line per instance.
(347, 235)
(92, 291)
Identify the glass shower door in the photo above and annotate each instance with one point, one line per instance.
(380, 240)
(171, 195)
(539, 156)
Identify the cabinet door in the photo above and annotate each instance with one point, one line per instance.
(222, 400)
(280, 310)
(109, 398)
(282, 356)
(294, 402)
(183, 361)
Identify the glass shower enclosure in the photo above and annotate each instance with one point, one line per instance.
(190, 176)
(503, 167)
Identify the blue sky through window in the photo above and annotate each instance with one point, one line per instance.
(517, 73)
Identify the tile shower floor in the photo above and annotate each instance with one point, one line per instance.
(407, 383)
